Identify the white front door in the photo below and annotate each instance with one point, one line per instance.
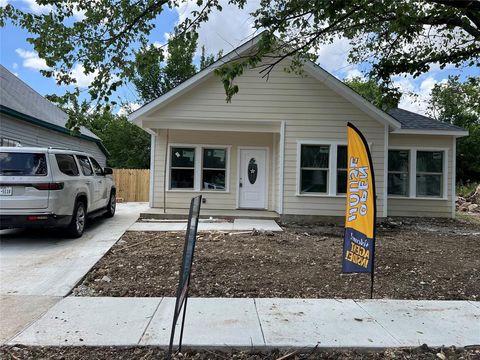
(253, 177)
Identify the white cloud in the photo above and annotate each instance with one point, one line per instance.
(35, 8)
(128, 108)
(31, 60)
(83, 80)
(334, 57)
(354, 73)
(3, 3)
(416, 92)
(15, 65)
(224, 30)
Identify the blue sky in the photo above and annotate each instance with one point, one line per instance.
(224, 31)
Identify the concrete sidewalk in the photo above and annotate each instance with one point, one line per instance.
(257, 323)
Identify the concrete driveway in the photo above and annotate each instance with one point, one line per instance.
(39, 267)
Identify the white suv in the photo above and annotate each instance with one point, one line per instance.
(49, 187)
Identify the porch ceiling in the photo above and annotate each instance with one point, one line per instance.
(214, 125)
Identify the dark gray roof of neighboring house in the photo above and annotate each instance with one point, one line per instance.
(18, 96)
(411, 120)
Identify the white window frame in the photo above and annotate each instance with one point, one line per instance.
(412, 172)
(337, 169)
(400, 172)
(332, 167)
(197, 172)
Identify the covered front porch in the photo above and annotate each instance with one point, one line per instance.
(235, 166)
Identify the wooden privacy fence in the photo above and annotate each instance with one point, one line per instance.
(132, 184)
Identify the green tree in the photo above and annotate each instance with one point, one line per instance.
(154, 74)
(208, 59)
(458, 103)
(373, 92)
(128, 145)
(395, 36)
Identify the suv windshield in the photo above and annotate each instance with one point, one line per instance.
(22, 164)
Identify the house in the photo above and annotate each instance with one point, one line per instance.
(280, 145)
(28, 119)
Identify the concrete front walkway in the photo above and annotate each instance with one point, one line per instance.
(236, 225)
(258, 323)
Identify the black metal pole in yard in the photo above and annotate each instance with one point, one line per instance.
(183, 323)
(172, 334)
(372, 278)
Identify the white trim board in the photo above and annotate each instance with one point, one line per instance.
(151, 195)
(457, 133)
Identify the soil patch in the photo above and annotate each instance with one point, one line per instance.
(415, 259)
(121, 353)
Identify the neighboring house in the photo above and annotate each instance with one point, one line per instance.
(280, 145)
(28, 119)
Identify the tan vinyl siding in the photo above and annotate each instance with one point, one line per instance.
(32, 135)
(423, 207)
(180, 199)
(311, 111)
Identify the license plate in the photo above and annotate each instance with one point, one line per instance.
(6, 191)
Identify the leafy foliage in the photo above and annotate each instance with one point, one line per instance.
(372, 92)
(208, 59)
(102, 36)
(395, 37)
(128, 145)
(458, 103)
(154, 75)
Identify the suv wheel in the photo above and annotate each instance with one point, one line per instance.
(77, 224)
(111, 206)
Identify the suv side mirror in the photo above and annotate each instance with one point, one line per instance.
(107, 171)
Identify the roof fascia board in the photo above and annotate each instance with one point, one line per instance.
(30, 119)
(457, 133)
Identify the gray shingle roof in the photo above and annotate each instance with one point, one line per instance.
(18, 96)
(411, 120)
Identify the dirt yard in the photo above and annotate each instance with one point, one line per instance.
(415, 259)
(144, 353)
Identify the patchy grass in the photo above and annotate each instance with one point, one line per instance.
(466, 189)
(469, 218)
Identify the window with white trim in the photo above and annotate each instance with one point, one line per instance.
(198, 168)
(314, 169)
(342, 169)
(429, 176)
(214, 169)
(398, 172)
(182, 168)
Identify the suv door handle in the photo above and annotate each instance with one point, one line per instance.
(87, 182)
